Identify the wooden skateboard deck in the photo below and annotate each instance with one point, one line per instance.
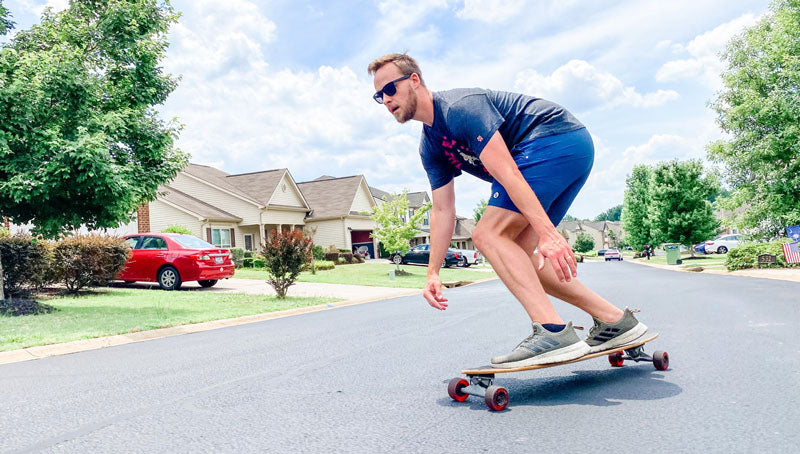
(479, 381)
(486, 370)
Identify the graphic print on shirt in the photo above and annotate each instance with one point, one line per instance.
(460, 156)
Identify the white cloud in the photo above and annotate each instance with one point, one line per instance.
(704, 50)
(581, 86)
(490, 11)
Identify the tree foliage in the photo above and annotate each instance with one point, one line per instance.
(477, 212)
(80, 140)
(679, 210)
(759, 108)
(612, 214)
(5, 20)
(392, 231)
(635, 220)
(584, 243)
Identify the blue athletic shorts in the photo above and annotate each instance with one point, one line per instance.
(556, 167)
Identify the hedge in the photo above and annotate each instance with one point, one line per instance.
(746, 255)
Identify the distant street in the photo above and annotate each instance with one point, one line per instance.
(372, 378)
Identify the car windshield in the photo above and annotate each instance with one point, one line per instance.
(192, 242)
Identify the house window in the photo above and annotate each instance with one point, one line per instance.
(248, 242)
(221, 237)
(427, 219)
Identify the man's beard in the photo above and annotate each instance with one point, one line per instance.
(411, 108)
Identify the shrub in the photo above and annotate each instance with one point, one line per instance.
(320, 265)
(175, 228)
(359, 258)
(259, 263)
(247, 262)
(285, 253)
(88, 260)
(318, 253)
(348, 257)
(746, 255)
(340, 261)
(248, 254)
(342, 251)
(332, 257)
(238, 256)
(25, 261)
(584, 242)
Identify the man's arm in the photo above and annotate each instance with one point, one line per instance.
(442, 220)
(498, 161)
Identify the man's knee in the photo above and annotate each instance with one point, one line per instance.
(480, 236)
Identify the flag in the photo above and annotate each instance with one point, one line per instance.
(791, 252)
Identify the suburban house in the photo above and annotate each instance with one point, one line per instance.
(240, 210)
(340, 214)
(605, 234)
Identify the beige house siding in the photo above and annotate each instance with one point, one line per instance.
(163, 215)
(286, 217)
(328, 232)
(248, 230)
(362, 201)
(288, 197)
(249, 212)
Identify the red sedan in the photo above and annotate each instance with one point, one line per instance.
(172, 258)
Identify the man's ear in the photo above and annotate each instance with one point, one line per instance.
(415, 79)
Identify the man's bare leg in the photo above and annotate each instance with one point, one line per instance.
(573, 292)
(496, 237)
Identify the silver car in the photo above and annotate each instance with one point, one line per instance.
(723, 244)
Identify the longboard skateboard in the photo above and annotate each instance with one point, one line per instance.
(496, 397)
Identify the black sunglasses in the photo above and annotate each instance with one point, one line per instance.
(390, 89)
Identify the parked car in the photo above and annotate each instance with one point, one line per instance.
(612, 254)
(468, 257)
(601, 252)
(420, 254)
(723, 244)
(172, 258)
(700, 247)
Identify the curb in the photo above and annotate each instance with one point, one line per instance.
(44, 351)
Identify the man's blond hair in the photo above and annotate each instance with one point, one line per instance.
(406, 64)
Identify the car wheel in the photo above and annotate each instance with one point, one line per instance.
(208, 283)
(129, 282)
(169, 279)
(397, 259)
(607, 260)
(462, 262)
(722, 250)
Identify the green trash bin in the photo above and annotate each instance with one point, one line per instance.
(673, 253)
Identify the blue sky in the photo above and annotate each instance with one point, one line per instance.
(273, 84)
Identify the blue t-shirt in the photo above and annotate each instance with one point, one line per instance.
(464, 119)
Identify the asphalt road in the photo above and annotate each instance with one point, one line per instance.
(372, 378)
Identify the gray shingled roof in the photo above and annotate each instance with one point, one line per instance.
(194, 205)
(258, 185)
(330, 197)
(415, 199)
(462, 230)
(217, 178)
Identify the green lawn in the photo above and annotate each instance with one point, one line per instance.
(376, 275)
(712, 261)
(117, 311)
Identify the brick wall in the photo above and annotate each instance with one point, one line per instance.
(143, 215)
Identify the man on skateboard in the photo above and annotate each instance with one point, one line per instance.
(537, 156)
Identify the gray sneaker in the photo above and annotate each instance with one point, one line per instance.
(543, 347)
(605, 336)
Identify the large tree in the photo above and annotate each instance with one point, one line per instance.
(635, 208)
(80, 139)
(5, 20)
(611, 214)
(679, 210)
(759, 108)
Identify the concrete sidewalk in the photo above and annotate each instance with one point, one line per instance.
(784, 274)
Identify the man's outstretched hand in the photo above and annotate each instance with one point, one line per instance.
(433, 293)
(553, 246)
